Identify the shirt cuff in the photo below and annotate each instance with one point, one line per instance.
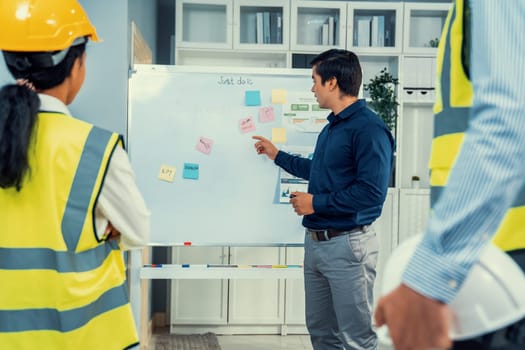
(281, 158)
(434, 275)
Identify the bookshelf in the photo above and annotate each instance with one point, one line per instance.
(317, 25)
(375, 27)
(261, 26)
(423, 24)
(245, 33)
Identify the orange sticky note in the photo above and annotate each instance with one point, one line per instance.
(278, 96)
(278, 135)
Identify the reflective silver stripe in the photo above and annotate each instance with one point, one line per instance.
(48, 259)
(83, 184)
(445, 65)
(520, 199)
(435, 193)
(62, 321)
(450, 119)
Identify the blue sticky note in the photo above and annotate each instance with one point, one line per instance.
(252, 98)
(191, 171)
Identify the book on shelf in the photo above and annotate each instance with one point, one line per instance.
(275, 28)
(363, 31)
(279, 37)
(331, 30)
(260, 34)
(324, 34)
(251, 29)
(377, 36)
(266, 27)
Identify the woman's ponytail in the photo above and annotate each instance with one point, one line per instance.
(19, 106)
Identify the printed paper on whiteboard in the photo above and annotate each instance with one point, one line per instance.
(302, 113)
(289, 183)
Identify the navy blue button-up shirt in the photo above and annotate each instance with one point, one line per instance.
(350, 169)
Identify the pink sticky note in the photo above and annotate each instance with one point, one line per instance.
(247, 125)
(204, 145)
(266, 114)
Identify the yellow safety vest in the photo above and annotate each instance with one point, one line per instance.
(62, 288)
(454, 97)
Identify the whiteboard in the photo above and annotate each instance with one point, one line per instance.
(235, 200)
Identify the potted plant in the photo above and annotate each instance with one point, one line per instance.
(382, 90)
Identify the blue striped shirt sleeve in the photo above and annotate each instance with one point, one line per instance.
(490, 169)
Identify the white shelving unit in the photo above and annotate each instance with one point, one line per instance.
(423, 23)
(245, 33)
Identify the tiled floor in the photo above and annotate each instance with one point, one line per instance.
(264, 342)
(270, 342)
(267, 342)
(255, 342)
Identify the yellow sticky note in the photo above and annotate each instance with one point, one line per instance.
(167, 173)
(278, 97)
(278, 135)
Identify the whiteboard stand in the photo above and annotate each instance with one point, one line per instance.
(137, 273)
(204, 272)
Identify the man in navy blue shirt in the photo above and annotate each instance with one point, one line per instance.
(348, 181)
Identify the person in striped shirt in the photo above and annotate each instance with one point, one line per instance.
(477, 179)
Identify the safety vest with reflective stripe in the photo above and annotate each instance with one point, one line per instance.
(454, 97)
(61, 287)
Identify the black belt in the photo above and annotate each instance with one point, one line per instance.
(326, 235)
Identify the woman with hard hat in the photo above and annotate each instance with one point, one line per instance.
(68, 199)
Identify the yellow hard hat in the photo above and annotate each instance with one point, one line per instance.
(42, 25)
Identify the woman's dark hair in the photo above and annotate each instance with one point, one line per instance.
(19, 107)
(342, 65)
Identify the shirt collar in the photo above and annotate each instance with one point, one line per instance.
(348, 111)
(52, 104)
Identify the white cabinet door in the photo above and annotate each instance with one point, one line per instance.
(414, 142)
(386, 230)
(294, 313)
(204, 24)
(414, 209)
(257, 301)
(196, 302)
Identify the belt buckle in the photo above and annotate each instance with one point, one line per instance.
(318, 235)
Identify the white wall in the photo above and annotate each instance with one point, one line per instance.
(103, 98)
